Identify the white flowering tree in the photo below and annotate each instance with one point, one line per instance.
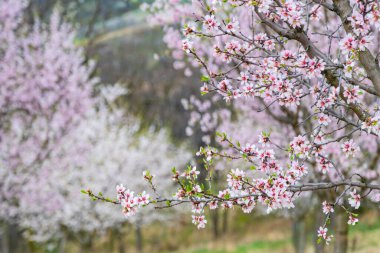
(45, 91)
(106, 143)
(57, 137)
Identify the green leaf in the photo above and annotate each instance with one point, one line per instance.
(205, 78)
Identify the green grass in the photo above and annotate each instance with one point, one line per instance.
(261, 245)
(363, 227)
(208, 251)
(256, 246)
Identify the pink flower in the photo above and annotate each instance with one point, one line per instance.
(352, 94)
(364, 42)
(323, 164)
(197, 188)
(213, 205)
(143, 199)
(210, 22)
(264, 139)
(204, 88)
(352, 220)
(287, 55)
(350, 148)
(120, 189)
(234, 179)
(199, 221)
(224, 85)
(322, 232)
(348, 44)
(244, 77)
(197, 207)
(324, 119)
(327, 208)
(300, 146)
(250, 150)
(233, 25)
(187, 46)
(354, 200)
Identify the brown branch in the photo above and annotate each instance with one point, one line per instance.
(325, 186)
(343, 9)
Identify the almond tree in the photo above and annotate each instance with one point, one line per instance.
(45, 90)
(106, 143)
(312, 60)
(56, 136)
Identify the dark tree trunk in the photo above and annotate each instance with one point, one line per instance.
(14, 239)
(62, 244)
(225, 221)
(86, 246)
(215, 223)
(299, 234)
(139, 245)
(5, 238)
(121, 244)
(111, 240)
(120, 237)
(341, 231)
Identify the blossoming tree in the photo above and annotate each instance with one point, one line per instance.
(106, 143)
(45, 91)
(56, 136)
(315, 62)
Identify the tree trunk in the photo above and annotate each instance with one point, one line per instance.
(215, 223)
(225, 221)
(86, 245)
(341, 231)
(299, 234)
(139, 245)
(5, 238)
(111, 240)
(121, 241)
(15, 240)
(62, 244)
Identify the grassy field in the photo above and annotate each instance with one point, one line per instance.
(361, 241)
(273, 236)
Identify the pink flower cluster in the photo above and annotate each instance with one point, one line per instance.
(129, 202)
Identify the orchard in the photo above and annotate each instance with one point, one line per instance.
(285, 117)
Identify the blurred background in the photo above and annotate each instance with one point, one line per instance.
(140, 123)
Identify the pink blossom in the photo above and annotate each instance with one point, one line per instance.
(354, 200)
(352, 220)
